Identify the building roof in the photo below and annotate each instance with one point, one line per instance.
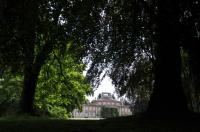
(106, 97)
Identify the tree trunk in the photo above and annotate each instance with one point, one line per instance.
(194, 62)
(31, 74)
(27, 28)
(168, 97)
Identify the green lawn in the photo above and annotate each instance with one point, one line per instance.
(129, 124)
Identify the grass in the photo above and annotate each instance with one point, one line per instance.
(122, 124)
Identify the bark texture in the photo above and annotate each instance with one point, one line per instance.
(168, 97)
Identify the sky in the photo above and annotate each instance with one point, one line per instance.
(105, 86)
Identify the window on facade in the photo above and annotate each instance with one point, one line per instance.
(84, 108)
(94, 108)
(90, 108)
(99, 108)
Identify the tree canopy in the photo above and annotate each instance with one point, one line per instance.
(30, 31)
(126, 40)
(157, 29)
(61, 86)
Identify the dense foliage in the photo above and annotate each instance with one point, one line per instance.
(158, 30)
(30, 31)
(126, 40)
(10, 92)
(61, 86)
(107, 112)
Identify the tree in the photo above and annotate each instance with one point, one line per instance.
(10, 92)
(141, 85)
(113, 34)
(61, 86)
(188, 83)
(168, 67)
(127, 42)
(21, 38)
(155, 27)
(190, 32)
(30, 31)
(107, 112)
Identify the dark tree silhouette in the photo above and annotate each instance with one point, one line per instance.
(30, 31)
(137, 27)
(112, 34)
(168, 96)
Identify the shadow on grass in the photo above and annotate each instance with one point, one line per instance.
(138, 123)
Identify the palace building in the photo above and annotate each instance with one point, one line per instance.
(104, 100)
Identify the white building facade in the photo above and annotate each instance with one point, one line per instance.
(93, 109)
